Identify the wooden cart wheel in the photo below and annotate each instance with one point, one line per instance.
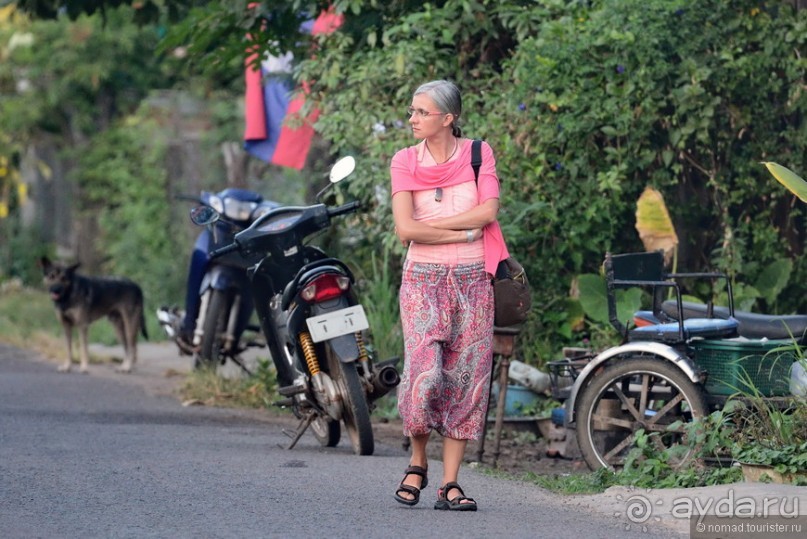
(636, 393)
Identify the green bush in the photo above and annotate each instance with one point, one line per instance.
(686, 97)
(585, 105)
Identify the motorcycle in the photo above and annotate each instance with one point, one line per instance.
(224, 306)
(312, 321)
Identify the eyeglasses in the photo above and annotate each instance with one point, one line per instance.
(422, 113)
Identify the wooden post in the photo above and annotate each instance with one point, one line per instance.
(504, 367)
(504, 340)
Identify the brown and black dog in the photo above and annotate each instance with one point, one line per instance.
(81, 300)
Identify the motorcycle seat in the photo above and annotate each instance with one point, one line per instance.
(288, 294)
(707, 328)
(750, 325)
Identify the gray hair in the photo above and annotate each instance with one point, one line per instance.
(448, 99)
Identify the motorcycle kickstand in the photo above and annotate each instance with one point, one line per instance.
(301, 428)
(240, 363)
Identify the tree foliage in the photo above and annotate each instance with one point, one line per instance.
(585, 104)
(124, 183)
(685, 97)
(64, 83)
(214, 34)
(69, 85)
(144, 11)
(74, 79)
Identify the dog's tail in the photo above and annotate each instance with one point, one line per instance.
(143, 325)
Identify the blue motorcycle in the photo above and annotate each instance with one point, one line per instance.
(218, 303)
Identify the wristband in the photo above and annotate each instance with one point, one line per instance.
(470, 235)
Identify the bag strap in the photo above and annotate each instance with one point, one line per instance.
(476, 158)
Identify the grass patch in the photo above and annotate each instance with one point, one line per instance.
(204, 386)
(566, 483)
(379, 295)
(586, 483)
(498, 473)
(28, 320)
(600, 480)
(387, 406)
(25, 312)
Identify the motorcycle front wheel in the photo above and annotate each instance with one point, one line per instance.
(214, 328)
(355, 412)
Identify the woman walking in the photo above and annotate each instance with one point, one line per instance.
(448, 220)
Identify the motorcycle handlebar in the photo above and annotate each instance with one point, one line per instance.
(350, 207)
(190, 198)
(223, 250)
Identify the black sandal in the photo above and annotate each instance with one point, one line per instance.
(455, 503)
(409, 489)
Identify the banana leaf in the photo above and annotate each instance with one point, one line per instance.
(654, 224)
(788, 178)
(594, 299)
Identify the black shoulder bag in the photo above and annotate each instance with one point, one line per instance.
(511, 290)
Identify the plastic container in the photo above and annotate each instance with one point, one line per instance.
(528, 376)
(558, 416)
(798, 379)
(732, 363)
(518, 400)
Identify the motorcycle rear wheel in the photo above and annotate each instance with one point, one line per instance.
(215, 326)
(356, 413)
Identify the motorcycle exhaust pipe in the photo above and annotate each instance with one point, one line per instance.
(385, 379)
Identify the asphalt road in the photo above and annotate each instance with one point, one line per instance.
(99, 456)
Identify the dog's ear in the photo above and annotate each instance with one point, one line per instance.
(72, 268)
(44, 262)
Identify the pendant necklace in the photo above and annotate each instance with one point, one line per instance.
(456, 145)
(438, 193)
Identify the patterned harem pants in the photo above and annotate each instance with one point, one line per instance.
(447, 319)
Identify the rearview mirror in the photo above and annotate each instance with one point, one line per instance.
(342, 168)
(204, 215)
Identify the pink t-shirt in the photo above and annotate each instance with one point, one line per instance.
(456, 179)
(455, 199)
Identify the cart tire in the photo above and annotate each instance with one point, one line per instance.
(609, 409)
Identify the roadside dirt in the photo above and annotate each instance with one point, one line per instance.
(521, 450)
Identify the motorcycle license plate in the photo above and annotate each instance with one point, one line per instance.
(337, 323)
